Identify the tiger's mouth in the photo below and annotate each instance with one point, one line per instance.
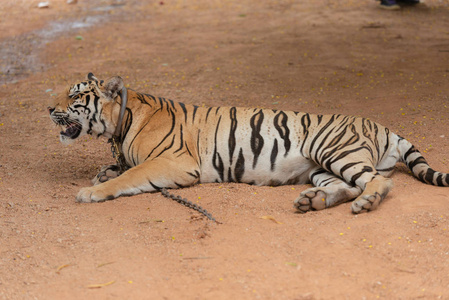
(72, 131)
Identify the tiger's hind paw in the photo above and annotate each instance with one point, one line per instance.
(366, 203)
(311, 199)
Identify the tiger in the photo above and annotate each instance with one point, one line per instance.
(167, 144)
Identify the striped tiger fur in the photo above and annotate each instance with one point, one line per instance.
(169, 144)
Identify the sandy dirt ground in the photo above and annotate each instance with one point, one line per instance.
(319, 56)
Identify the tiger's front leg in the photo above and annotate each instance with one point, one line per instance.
(149, 176)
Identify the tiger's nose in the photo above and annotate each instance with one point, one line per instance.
(50, 109)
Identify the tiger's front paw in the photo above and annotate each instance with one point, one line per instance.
(93, 194)
(106, 173)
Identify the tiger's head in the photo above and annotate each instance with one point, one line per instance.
(80, 109)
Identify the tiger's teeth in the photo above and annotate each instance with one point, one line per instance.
(72, 130)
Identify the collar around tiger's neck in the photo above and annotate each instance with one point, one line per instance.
(115, 140)
(124, 96)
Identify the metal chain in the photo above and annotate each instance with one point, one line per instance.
(117, 154)
(188, 204)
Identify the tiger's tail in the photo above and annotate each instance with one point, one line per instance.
(419, 166)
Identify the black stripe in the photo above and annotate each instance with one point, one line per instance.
(155, 186)
(440, 180)
(89, 131)
(151, 96)
(86, 109)
(421, 176)
(188, 150)
(179, 185)
(305, 122)
(217, 162)
(143, 98)
(196, 175)
(195, 107)
(283, 130)
(316, 173)
(87, 99)
(125, 129)
(429, 176)
(168, 147)
(184, 110)
(387, 144)
(342, 155)
(369, 123)
(256, 138)
(417, 161)
(410, 151)
(326, 147)
(182, 153)
(386, 169)
(161, 103)
(181, 142)
(334, 143)
(96, 98)
(239, 168)
(104, 126)
(327, 181)
(365, 130)
(347, 166)
(198, 144)
(128, 123)
(208, 111)
(230, 179)
(231, 140)
(366, 169)
(274, 154)
(172, 105)
(376, 140)
(312, 144)
(343, 123)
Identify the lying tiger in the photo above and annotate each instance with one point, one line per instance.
(168, 144)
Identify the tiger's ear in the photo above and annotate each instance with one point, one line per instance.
(92, 77)
(112, 87)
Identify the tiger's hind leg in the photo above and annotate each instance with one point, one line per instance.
(329, 191)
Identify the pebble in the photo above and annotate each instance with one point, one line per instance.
(43, 4)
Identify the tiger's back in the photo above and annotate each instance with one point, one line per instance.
(264, 146)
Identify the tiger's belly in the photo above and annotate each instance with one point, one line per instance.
(293, 169)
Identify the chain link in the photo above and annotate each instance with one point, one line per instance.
(189, 204)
